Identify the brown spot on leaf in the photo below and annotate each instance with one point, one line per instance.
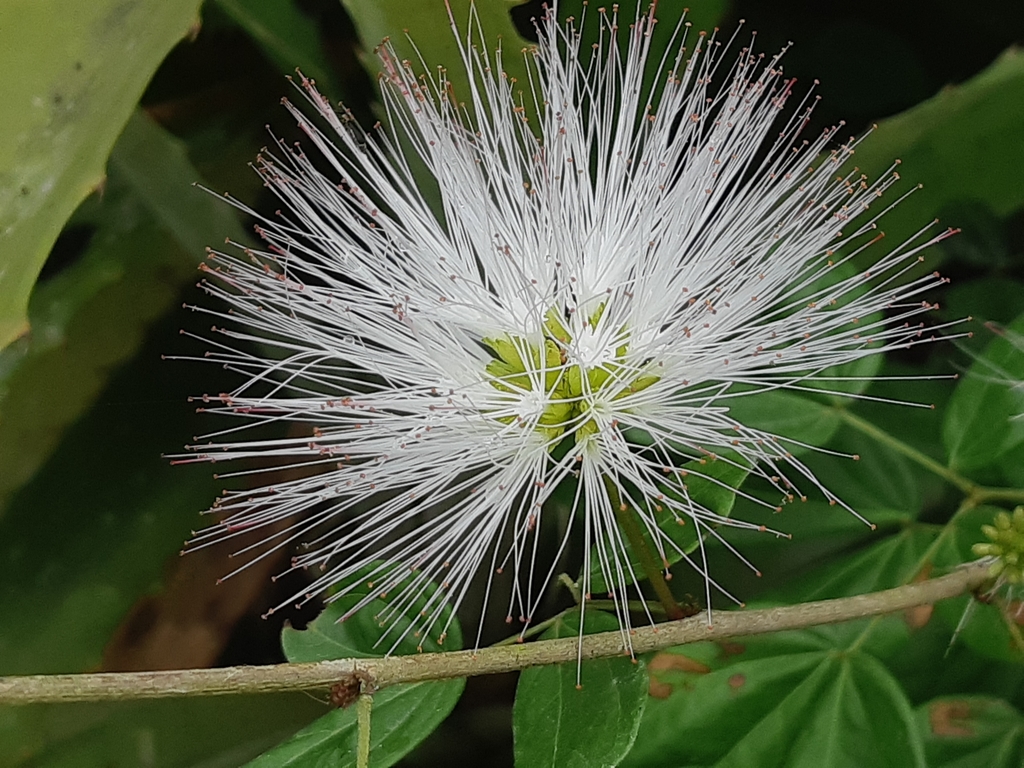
(732, 649)
(950, 718)
(658, 689)
(663, 662)
(919, 616)
(737, 681)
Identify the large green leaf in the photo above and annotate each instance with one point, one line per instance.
(74, 72)
(425, 22)
(969, 731)
(178, 733)
(403, 715)
(560, 724)
(788, 415)
(94, 528)
(148, 233)
(888, 562)
(809, 698)
(980, 423)
(879, 479)
(965, 143)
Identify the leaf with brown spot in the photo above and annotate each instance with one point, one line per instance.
(731, 649)
(971, 730)
(658, 689)
(950, 718)
(808, 697)
(676, 661)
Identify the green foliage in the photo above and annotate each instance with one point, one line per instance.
(806, 698)
(403, 715)
(980, 425)
(709, 484)
(946, 143)
(960, 732)
(404, 23)
(221, 732)
(146, 240)
(788, 414)
(91, 515)
(74, 74)
(560, 723)
(287, 36)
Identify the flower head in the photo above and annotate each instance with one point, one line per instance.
(574, 298)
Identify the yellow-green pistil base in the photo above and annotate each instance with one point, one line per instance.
(522, 366)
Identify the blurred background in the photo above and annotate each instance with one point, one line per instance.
(92, 516)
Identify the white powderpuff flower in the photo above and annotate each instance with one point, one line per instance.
(571, 298)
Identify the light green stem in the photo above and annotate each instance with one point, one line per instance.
(976, 494)
(634, 535)
(382, 672)
(364, 708)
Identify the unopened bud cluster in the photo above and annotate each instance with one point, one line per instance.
(1006, 545)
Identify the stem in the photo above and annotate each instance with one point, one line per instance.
(950, 475)
(984, 494)
(574, 589)
(364, 707)
(924, 561)
(112, 686)
(635, 537)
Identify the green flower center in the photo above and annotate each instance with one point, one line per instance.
(565, 389)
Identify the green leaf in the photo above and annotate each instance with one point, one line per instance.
(789, 415)
(403, 715)
(149, 231)
(809, 698)
(980, 424)
(820, 533)
(917, 423)
(95, 526)
(559, 724)
(217, 732)
(426, 23)
(74, 72)
(887, 562)
(997, 298)
(965, 143)
(288, 37)
(880, 479)
(710, 484)
(967, 731)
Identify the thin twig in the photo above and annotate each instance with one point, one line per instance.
(437, 666)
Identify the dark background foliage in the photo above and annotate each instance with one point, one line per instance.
(92, 515)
